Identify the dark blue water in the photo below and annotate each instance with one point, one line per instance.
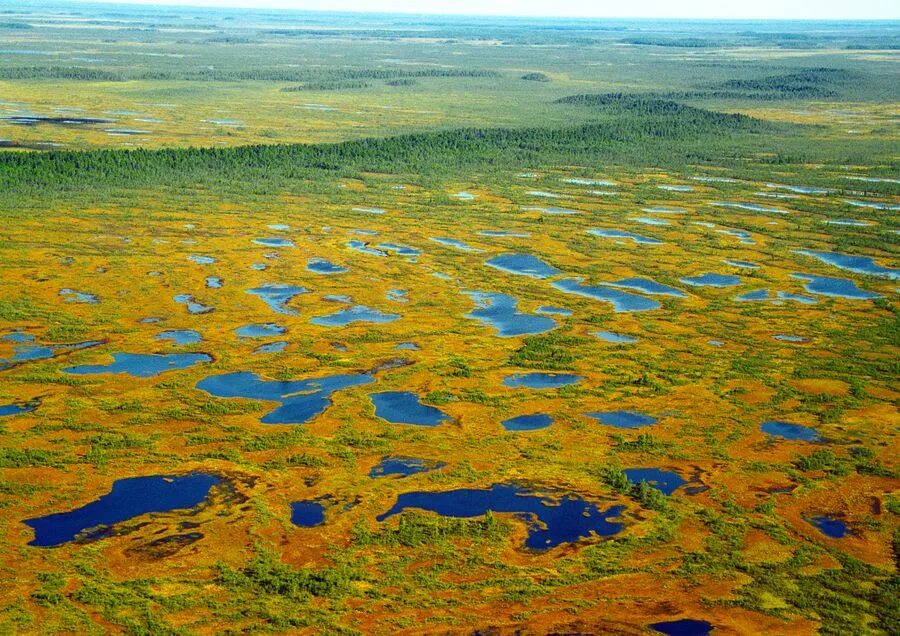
(213, 282)
(683, 627)
(180, 337)
(712, 280)
(621, 301)
(835, 287)
(615, 338)
(307, 514)
(523, 264)
(17, 409)
(356, 313)
(274, 242)
(647, 286)
(128, 498)
(552, 521)
(404, 466)
(301, 400)
(272, 347)
(532, 422)
(452, 242)
(622, 234)
(858, 264)
(260, 331)
(72, 296)
(28, 349)
(322, 266)
(834, 528)
(192, 305)
(665, 481)
(790, 431)
(277, 295)
(499, 311)
(400, 407)
(142, 365)
(623, 419)
(541, 380)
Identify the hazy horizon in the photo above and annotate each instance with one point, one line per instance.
(640, 9)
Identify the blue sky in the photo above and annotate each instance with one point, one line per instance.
(774, 9)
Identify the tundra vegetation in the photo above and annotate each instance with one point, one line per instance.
(253, 363)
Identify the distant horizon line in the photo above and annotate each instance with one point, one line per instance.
(176, 4)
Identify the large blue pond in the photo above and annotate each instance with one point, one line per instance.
(401, 407)
(830, 527)
(356, 313)
(142, 365)
(683, 627)
(27, 348)
(623, 419)
(403, 467)
(301, 400)
(17, 408)
(499, 311)
(647, 286)
(621, 301)
(858, 264)
(786, 430)
(835, 287)
(277, 295)
(307, 514)
(551, 521)
(524, 265)
(531, 422)
(540, 380)
(622, 234)
(665, 481)
(322, 266)
(128, 498)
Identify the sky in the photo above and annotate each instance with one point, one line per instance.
(687, 9)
